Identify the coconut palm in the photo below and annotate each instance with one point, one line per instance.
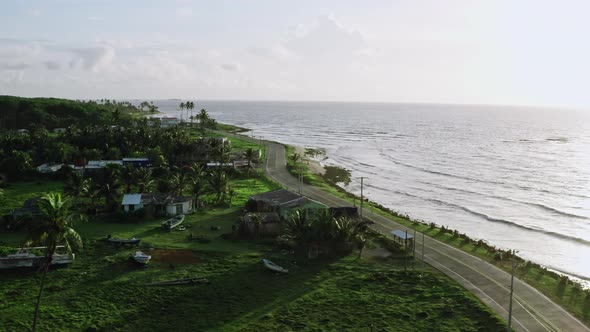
(198, 179)
(74, 185)
(109, 185)
(221, 151)
(190, 106)
(127, 179)
(219, 182)
(54, 227)
(250, 155)
(178, 183)
(181, 106)
(143, 179)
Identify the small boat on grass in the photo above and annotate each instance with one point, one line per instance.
(141, 257)
(132, 241)
(273, 267)
(25, 257)
(185, 281)
(173, 222)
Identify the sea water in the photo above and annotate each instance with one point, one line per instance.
(516, 177)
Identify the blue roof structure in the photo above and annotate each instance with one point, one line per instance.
(401, 234)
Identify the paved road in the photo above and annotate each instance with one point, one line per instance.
(532, 311)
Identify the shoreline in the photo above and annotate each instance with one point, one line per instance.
(315, 167)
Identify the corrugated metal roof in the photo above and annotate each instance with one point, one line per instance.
(401, 234)
(132, 199)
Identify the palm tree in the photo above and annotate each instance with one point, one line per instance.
(181, 106)
(143, 179)
(251, 155)
(198, 178)
(219, 182)
(110, 185)
(52, 228)
(178, 183)
(190, 106)
(221, 152)
(127, 179)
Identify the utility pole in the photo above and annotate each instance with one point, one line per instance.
(362, 199)
(414, 250)
(511, 291)
(423, 263)
(406, 251)
(300, 180)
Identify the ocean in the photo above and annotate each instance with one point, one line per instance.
(516, 177)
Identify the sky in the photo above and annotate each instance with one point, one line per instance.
(454, 51)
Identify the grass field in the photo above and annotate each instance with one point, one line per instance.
(15, 193)
(105, 291)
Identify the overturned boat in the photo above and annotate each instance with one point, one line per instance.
(273, 267)
(26, 257)
(173, 222)
(117, 241)
(141, 257)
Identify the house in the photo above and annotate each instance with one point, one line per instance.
(169, 121)
(158, 204)
(23, 131)
(59, 130)
(282, 202)
(49, 168)
(103, 163)
(137, 162)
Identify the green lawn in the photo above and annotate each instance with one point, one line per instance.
(105, 291)
(15, 193)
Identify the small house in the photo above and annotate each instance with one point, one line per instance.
(282, 202)
(103, 163)
(169, 121)
(49, 168)
(158, 204)
(22, 131)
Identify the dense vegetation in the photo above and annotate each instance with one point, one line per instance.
(50, 113)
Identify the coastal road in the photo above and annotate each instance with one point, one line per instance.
(532, 311)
